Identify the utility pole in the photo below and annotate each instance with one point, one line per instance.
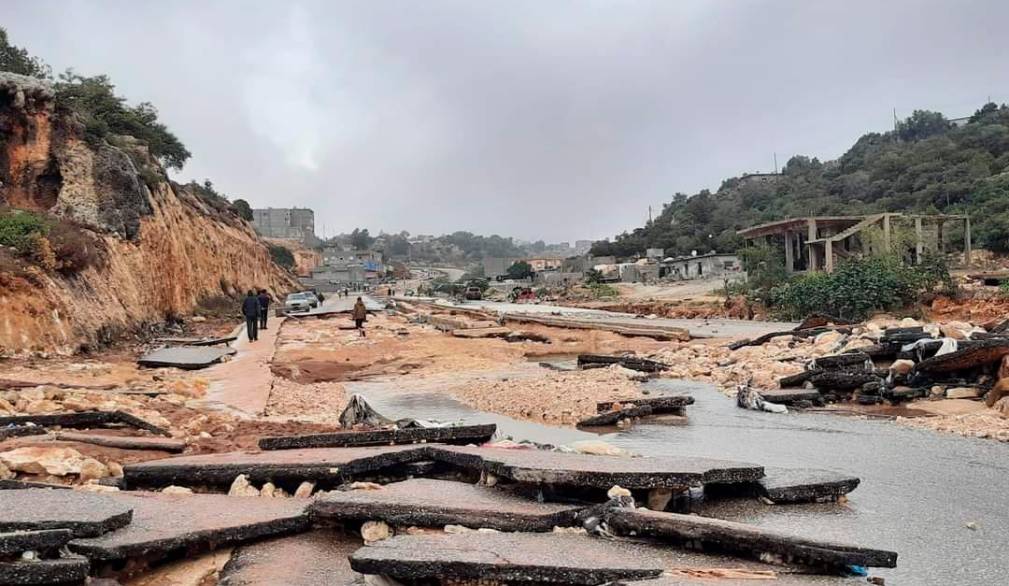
(649, 214)
(775, 163)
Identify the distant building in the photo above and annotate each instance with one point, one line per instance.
(545, 263)
(287, 223)
(495, 266)
(701, 266)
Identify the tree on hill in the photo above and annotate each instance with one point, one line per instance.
(519, 270)
(17, 60)
(925, 166)
(243, 208)
(361, 239)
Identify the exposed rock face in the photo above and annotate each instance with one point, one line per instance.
(167, 248)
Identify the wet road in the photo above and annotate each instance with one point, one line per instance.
(919, 489)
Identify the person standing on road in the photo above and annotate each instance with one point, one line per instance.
(360, 314)
(250, 309)
(264, 308)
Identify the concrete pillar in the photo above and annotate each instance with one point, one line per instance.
(966, 241)
(789, 252)
(810, 236)
(887, 249)
(918, 244)
(828, 261)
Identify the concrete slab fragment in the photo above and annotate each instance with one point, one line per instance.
(462, 434)
(19, 541)
(507, 557)
(184, 357)
(782, 485)
(745, 539)
(545, 467)
(164, 523)
(313, 464)
(665, 404)
(435, 503)
(86, 514)
(20, 431)
(198, 341)
(124, 442)
(71, 570)
(631, 362)
(309, 559)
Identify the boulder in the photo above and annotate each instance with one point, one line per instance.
(962, 393)
(55, 461)
(901, 367)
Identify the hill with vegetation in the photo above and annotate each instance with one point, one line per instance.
(926, 165)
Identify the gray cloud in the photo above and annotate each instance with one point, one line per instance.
(540, 119)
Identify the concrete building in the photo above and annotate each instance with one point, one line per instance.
(545, 263)
(495, 266)
(703, 266)
(816, 243)
(287, 223)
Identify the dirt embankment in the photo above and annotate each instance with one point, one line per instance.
(165, 249)
(305, 259)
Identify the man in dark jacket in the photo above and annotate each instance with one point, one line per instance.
(250, 309)
(264, 308)
(359, 314)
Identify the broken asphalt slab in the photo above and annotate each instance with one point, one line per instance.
(83, 419)
(616, 416)
(745, 539)
(184, 357)
(791, 396)
(313, 464)
(631, 362)
(666, 404)
(308, 559)
(546, 467)
(463, 434)
(20, 431)
(507, 557)
(69, 570)
(165, 523)
(19, 541)
(970, 355)
(435, 503)
(124, 442)
(86, 514)
(783, 485)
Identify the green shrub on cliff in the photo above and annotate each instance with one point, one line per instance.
(20, 230)
(282, 256)
(17, 60)
(50, 243)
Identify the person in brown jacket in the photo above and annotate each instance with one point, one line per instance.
(360, 315)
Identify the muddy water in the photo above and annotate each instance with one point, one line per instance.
(919, 489)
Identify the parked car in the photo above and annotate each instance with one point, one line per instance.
(312, 297)
(474, 293)
(297, 302)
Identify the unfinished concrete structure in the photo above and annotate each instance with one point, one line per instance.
(816, 243)
(288, 223)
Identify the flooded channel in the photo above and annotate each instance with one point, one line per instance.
(940, 501)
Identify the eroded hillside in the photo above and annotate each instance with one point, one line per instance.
(154, 249)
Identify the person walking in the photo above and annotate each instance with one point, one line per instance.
(360, 315)
(264, 308)
(250, 309)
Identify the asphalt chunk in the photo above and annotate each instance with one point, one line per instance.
(782, 485)
(70, 570)
(434, 503)
(19, 541)
(559, 468)
(124, 442)
(184, 357)
(463, 434)
(745, 539)
(165, 523)
(313, 464)
(85, 514)
(507, 557)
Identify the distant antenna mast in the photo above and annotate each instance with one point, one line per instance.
(775, 163)
(895, 119)
(649, 214)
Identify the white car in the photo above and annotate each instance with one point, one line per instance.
(298, 302)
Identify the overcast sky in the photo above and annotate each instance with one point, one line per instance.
(548, 119)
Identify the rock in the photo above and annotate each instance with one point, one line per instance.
(55, 461)
(95, 487)
(268, 490)
(908, 322)
(176, 490)
(5, 472)
(41, 406)
(902, 366)
(617, 491)
(115, 469)
(92, 469)
(1002, 406)
(365, 486)
(658, 498)
(372, 531)
(304, 490)
(962, 393)
(597, 448)
(241, 487)
(937, 391)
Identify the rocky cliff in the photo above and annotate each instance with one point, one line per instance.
(164, 248)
